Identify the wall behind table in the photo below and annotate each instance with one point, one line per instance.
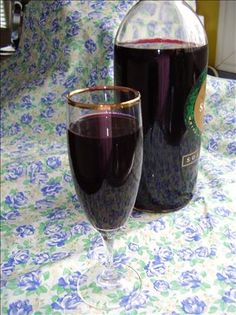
(210, 11)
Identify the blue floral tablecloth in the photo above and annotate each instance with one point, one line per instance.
(187, 259)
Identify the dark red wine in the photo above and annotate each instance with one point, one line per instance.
(105, 153)
(171, 82)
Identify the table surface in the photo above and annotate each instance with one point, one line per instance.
(187, 259)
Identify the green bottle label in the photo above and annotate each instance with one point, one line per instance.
(195, 105)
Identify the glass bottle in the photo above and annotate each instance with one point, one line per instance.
(161, 49)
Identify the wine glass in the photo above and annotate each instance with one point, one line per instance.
(105, 140)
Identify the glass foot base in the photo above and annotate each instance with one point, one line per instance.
(106, 290)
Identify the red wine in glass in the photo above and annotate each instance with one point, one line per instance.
(104, 153)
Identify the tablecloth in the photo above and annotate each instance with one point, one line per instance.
(186, 259)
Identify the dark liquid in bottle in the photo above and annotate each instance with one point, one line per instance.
(165, 78)
(105, 153)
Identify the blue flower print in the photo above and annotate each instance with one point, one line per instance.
(43, 18)
(109, 54)
(7, 267)
(38, 82)
(231, 148)
(155, 268)
(16, 201)
(120, 260)
(185, 254)
(26, 102)
(41, 258)
(12, 106)
(230, 133)
(56, 5)
(82, 228)
(74, 198)
(3, 282)
(58, 213)
(232, 247)
(58, 239)
(130, 301)
(94, 15)
(68, 302)
(133, 247)
(73, 30)
(94, 74)
(51, 189)
(53, 162)
(190, 279)
(192, 234)
(72, 281)
(14, 129)
(90, 45)
(20, 257)
(11, 215)
(230, 120)
(230, 296)
(32, 68)
(34, 167)
(66, 51)
(164, 254)
(74, 16)
(24, 146)
(97, 5)
(107, 41)
(43, 204)
(193, 305)
(230, 234)
(61, 129)
(222, 211)
(47, 113)
(161, 285)
(104, 72)
(212, 145)
(56, 43)
(15, 171)
(25, 230)
(204, 251)
(181, 222)
(106, 24)
(59, 256)
(96, 250)
(71, 81)
(52, 228)
(207, 222)
(55, 25)
(218, 195)
(30, 281)
(53, 57)
(35, 172)
(48, 99)
(157, 225)
(12, 66)
(2, 132)
(207, 118)
(228, 275)
(20, 308)
(67, 178)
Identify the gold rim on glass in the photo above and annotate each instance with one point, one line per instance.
(103, 106)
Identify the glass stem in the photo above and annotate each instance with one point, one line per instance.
(110, 275)
(108, 240)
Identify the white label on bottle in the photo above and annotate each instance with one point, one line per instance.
(190, 158)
